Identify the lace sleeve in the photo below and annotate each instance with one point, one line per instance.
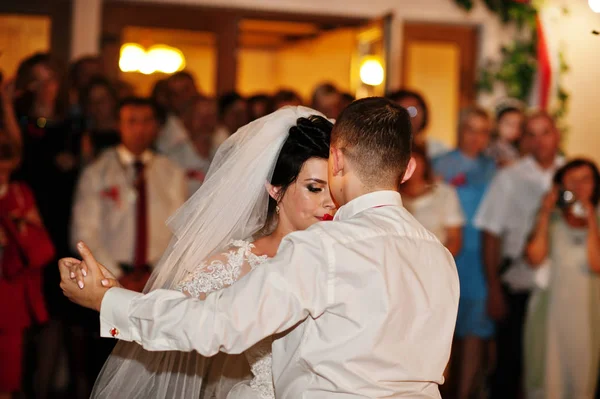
(219, 271)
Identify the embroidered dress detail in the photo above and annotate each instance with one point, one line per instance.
(222, 271)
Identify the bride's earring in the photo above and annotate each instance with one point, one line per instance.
(277, 209)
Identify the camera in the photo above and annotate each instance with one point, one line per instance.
(565, 199)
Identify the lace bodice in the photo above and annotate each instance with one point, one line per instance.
(222, 271)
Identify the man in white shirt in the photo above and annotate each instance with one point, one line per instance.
(194, 152)
(507, 215)
(182, 89)
(124, 198)
(368, 302)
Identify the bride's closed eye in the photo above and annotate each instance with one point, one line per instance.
(315, 185)
(314, 189)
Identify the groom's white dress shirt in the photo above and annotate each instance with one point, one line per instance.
(367, 304)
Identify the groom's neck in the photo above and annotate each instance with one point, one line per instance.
(357, 189)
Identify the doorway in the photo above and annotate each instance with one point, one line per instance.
(29, 26)
(440, 62)
(20, 37)
(298, 56)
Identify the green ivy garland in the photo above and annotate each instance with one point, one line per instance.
(517, 66)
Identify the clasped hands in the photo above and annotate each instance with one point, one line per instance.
(85, 281)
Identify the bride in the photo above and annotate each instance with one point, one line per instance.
(266, 181)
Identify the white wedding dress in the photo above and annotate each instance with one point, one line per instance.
(231, 204)
(221, 271)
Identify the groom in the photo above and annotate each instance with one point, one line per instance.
(368, 302)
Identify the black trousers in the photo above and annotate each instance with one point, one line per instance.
(507, 379)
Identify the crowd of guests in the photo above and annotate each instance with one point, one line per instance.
(82, 158)
(521, 220)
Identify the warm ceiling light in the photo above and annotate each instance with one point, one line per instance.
(594, 5)
(159, 58)
(166, 59)
(371, 72)
(132, 57)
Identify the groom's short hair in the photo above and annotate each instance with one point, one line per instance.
(375, 134)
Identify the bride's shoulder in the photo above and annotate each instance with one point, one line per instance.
(235, 254)
(243, 251)
(234, 249)
(239, 244)
(222, 269)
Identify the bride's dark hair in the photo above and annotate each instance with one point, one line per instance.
(309, 138)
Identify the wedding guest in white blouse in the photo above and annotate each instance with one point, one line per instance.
(562, 349)
(433, 203)
(124, 198)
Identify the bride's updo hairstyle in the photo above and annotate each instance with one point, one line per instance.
(309, 138)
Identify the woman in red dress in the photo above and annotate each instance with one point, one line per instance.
(25, 248)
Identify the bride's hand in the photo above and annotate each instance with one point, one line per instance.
(92, 296)
(73, 265)
(78, 271)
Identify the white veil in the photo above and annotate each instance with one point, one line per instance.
(231, 204)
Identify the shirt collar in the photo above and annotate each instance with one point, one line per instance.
(127, 158)
(367, 201)
(558, 162)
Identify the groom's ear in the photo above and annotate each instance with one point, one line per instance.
(337, 160)
(410, 169)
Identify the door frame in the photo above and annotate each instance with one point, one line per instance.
(60, 14)
(466, 37)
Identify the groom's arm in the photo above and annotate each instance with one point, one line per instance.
(272, 298)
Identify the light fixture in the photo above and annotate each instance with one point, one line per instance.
(165, 59)
(159, 58)
(371, 72)
(594, 5)
(132, 57)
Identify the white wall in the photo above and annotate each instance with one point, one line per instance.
(582, 48)
(582, 51)
(86, 28)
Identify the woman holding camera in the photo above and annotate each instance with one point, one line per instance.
(562, 332)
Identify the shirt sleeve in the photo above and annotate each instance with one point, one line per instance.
(271, 299)
(495, 209)
(454, 216)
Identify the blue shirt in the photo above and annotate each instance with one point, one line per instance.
(470, 177)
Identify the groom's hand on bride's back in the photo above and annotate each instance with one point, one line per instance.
(85, 282)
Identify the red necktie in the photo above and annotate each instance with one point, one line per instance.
(141, 217)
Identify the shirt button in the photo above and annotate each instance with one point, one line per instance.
(114, 332)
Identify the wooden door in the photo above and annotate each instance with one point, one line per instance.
(440, 62)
